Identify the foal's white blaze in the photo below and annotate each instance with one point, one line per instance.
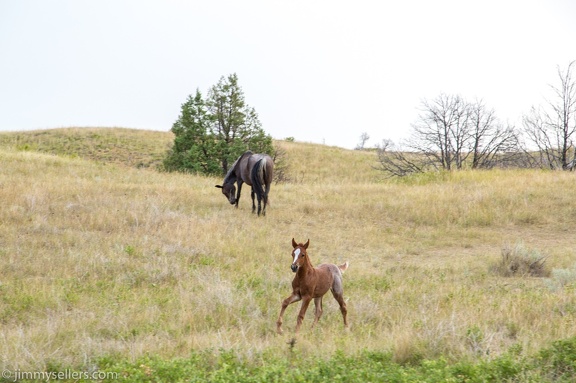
(296, 254)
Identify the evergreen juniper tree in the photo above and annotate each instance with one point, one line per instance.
(211, 133)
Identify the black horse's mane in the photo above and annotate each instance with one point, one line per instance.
(232, 169)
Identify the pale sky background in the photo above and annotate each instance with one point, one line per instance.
(319, 71)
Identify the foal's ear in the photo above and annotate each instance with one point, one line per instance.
(219, 186)
(294, 244)
(306, 244)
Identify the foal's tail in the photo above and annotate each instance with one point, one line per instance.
(259, 179)
(343, 267)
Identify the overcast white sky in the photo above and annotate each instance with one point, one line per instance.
(319, 71)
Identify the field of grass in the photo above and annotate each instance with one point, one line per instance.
(107, 266)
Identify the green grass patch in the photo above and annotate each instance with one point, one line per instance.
(556, 363)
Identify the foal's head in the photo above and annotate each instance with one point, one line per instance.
(299, 254)
(229, 191)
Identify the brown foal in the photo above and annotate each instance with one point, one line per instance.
(312, 283)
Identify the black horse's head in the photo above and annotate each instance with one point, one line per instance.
(229, 190)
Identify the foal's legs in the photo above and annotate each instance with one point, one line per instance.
(343, 308)
(291, 299)
(305, 302)
(338, 292)
(318, 311)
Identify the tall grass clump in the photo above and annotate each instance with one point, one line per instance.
(519, 261)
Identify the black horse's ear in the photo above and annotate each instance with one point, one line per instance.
(219, 186)
(306, 244)
(294, 244)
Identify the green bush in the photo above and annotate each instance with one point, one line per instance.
(558, 363)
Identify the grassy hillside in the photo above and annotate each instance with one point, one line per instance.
(146, 149)
(101, 261)
(135, 148)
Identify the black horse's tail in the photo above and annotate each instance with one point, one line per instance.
(259, 178)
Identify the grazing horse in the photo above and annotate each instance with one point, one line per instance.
(312, 283)
(254, 169)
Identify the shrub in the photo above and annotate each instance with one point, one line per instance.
(558, 363)
(561, 278)
(519, 261)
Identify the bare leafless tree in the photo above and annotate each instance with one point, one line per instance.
(450, 134)
(552, 128)
(439, 133)
(492, 143)
(364, 137)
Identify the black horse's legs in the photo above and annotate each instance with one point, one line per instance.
(259, 203)
(265, 202)
(238, 193)
(253, 205)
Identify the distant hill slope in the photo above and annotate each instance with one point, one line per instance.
(131, 147)
(303, 162)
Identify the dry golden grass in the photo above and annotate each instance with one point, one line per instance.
(99, 259)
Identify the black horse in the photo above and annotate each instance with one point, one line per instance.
(254, 169)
